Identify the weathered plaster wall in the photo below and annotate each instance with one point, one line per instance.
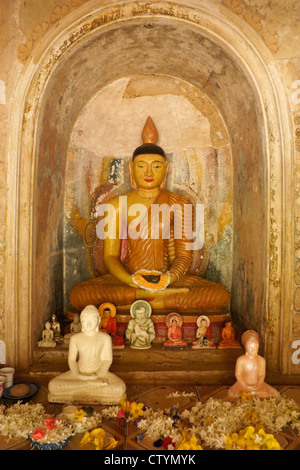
(265, 264)
(10, 70)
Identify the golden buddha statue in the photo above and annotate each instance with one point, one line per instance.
(155, 267)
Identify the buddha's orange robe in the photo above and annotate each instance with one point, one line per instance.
(160, 255)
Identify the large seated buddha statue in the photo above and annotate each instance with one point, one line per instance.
(148, 257)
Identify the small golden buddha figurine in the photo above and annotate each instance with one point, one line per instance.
(153, 268)
(250, 371)
(228, 337)
(175, 340)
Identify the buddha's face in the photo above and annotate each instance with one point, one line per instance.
(140, 314)
(89, 322)
(252, 347)
(149, 171)
(106, 313)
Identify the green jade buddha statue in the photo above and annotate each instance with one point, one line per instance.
(155, 268)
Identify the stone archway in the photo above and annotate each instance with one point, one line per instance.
(88, 51)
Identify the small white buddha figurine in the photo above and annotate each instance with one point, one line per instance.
(250, 371)
(140, 331)
(47, 340)
(90, 357)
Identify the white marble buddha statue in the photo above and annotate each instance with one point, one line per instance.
(89, 360)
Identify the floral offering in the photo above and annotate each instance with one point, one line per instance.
(130, 410)
(17, 421)
(82, 420)
(52, 433)
(249, 439)
(188, 443)
(213, 420)
(98, 440)
(248, 424)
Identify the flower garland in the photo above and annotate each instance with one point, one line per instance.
(140, 279)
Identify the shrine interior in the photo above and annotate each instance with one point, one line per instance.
(219, 80)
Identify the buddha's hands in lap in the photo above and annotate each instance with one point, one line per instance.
(89, 377)
(156, 298)
(149, 294)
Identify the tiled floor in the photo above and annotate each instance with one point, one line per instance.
(157, 397)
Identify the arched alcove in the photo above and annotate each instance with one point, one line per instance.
(101, 52)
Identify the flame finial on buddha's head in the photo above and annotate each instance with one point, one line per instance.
(149, 137)
(149, 134)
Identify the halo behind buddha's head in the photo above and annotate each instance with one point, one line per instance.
(173, 316)
(138, 305)
(250, 335)
(149, 137)
(107, 306)
(201, 318)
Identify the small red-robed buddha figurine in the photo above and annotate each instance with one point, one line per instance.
(174, 324)
(228, 337)
(107, 312)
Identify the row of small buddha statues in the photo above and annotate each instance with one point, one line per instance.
(91, 355)
(140, 332)
(52, 335)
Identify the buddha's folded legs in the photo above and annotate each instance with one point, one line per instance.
(199, 299)
(201, 296)
(264, 391)
(99, 290)
(66, 387)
